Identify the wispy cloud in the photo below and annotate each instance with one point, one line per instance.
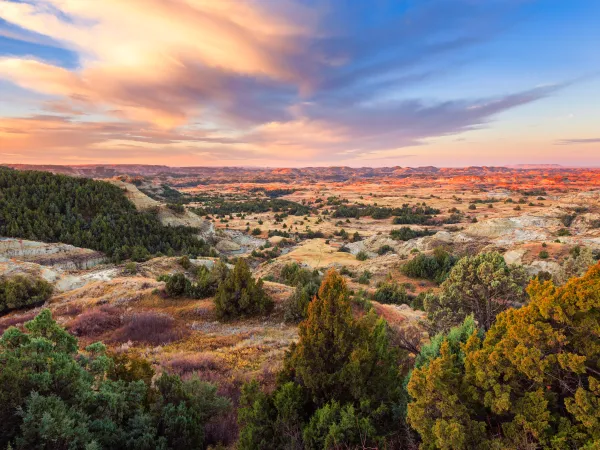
(578, 141)
(269, 81)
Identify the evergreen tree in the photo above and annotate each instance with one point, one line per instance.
(482, 285)
(532, 382)
(340, 386)
(326, 341)
(54, 397)
(241, 295)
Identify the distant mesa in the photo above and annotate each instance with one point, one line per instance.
(535, 166)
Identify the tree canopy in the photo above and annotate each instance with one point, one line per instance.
(482, 285)
(533, 381)
(340, 387)
(239, 294)
(54, 397)
(86, 213)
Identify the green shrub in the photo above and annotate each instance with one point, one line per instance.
(204, 282)
(241, 295)
(296, 306)
(20, 291)
(185, 262)
(131, 268)
(483, 285)
(392, 293)
(177, 285)
(431, 267)
(544, 254)
(346, 271)
(563, 232)
(307, 284)
(385, 249)
(54, 397)
(364, 278)
(362, 255)
(293, 274)
(406, 234)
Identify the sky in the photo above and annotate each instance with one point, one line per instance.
(293, 83)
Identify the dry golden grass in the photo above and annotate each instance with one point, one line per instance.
(317, 254)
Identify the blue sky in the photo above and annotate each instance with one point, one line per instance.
(297, 83)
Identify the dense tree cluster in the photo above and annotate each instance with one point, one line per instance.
(406, 234)
(274, 193)
(202, 282)
(533, 381)
(340, 388)
(240, 295)
(20, 291)
(85, 213)
(293, 274)
(419, 214)
(54, 397)
(220, 206)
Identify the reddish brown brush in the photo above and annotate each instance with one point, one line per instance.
(69, 310)
(148, 328)
(13, 321)
(96, 321)
(197, 362)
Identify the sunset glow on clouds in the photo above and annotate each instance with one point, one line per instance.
(297, 83)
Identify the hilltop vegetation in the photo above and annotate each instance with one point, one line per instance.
(52, 396)
(86, 213)
(429, 336)
(220, 206)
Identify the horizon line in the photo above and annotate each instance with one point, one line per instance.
(505, 166)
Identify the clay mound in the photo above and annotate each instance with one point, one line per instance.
(117, 291)
(58, 255)
(12, 268)
(511, 230)
(500, 227)
(371, 244)
(187, 219)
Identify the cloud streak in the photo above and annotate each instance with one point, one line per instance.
(266, 81)
(578, 141)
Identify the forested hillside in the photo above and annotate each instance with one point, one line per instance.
(86, 213)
